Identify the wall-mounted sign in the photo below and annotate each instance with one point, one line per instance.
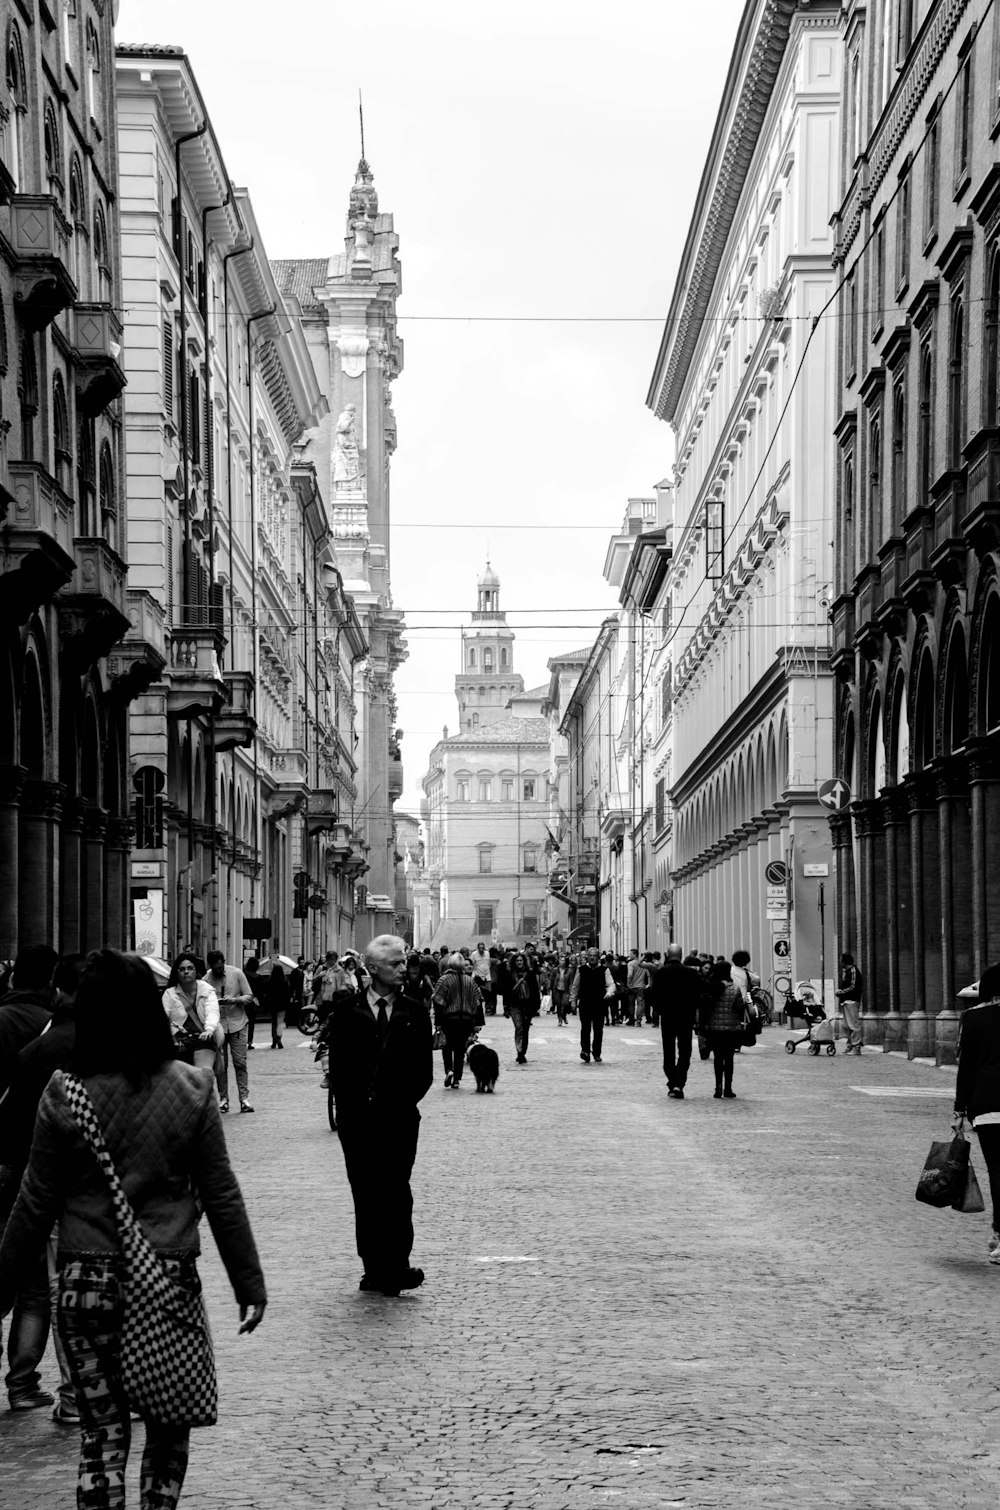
(147, 916)
(776, 873)
(816, 870)
(141, 868)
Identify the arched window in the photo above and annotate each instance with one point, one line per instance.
(50, 139)
(904, 30)
(76, 216)
(925, 423)
(922, 728)
(991, 355)
(106, 486)
(13, 128)
(102, 256)
(855, 108)
(503, 659)
(874, 482)
(898, 501)
(85, 479)
(956, 386)
(62, 458)
(472, 660)
(988, 678)
(487, 660)
(848, 563)
(27, 392)
(956, 695)
(93, 72)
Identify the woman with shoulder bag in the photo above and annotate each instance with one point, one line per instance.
(523, 999)
(458, 1011)
(977, 1088)
(722, 1019)
(127, 1209)
(192, 1009)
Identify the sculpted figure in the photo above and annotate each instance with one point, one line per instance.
(346, 456)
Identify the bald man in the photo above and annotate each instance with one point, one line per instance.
(674, 993)
(381, 1066)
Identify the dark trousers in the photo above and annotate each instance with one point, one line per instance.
(592, 1027)
(989, 1143)
(28, 1329)
(521, 1018)
(723, 1046)
(457, 1032)
(676, 1034)
(379, 1152)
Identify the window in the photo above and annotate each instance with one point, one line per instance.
(474, 722)
(531, 919)
(529, 860)
(485, 789)
(956, 387)
(991, 391)
(487, 660)
(932, 167)
(507, 790)
(13, 128)
(963, 125)
(53, 162)
(503, 660)
(27, 392)
(851, 334)
(76, 211)
(85, 477)
(485, 859)
(60, 433)
(106, 485)
(666, 694)
(874, 481)
(668, 604)
(898, 501)
(878, 278)
(148, 783)
(462, 789)
(848, 567)
(904, 30)
(529, 789)
(102, 258)
(486, 917)
(93, 72)
(925, 431)
(168, 367)
(903, 232)
(472, 660)
(660, 804)
(854, 121)
(194, 418)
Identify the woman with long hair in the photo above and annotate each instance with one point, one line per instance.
(722, 1017)
(192, 1008)
(523, 1000)
(977, 1089)
(161, 1125)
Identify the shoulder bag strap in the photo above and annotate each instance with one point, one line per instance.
(82, 1108)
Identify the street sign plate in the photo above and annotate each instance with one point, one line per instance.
(783, 984)
(777, 909)
(782, 948)
(815, 870)
(776, 873)
(778, 892)
(834, 794)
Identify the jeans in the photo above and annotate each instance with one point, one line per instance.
(559, 1002)
(29, 1331)
(90, 1321)
(457, 1032)
(521, 1018)
(676, 1035)
(67, 1390)
(592, 1023)
(236, 1044)
(850, 1011)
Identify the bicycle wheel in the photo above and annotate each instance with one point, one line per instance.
(331, 1108)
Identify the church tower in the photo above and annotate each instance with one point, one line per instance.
(487, 680)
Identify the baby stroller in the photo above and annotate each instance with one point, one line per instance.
(804, 1006)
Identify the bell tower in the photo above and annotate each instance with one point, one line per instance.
(487, 680)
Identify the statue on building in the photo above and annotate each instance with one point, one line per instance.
(346, 453)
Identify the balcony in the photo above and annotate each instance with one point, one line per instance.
(40, 235)
(95, 334)
(395, 778)
(195, 683)
(323, 810)
(947, 560)
(92, 606)
(38, 541)
(981, 524)
(338, 846)
(235, 726)
(138, 661)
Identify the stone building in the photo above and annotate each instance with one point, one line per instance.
(64, 798)
(748, 386)
(564, 674)
(347, 310)
(591, 864)
(486, 797)
(241, 737)
(917, 608)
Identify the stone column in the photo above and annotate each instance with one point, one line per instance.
(70, 875)
(899, 937)
(117, 847)
(845, 912)
(763, 959)
(872, 915)
(95, 822)
(12, 778)
(925, 905)
(38, 863)
(984, 792)
(954, 843)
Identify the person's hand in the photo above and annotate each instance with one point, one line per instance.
(251, 1317)
(208, 1036)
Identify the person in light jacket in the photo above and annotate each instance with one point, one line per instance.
(458, 1008)
(977, 1089)
(178, 1167)
(193, 1007)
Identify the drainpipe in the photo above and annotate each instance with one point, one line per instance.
(263, 314)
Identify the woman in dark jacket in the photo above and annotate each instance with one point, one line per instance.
(722, 1023)
(458, 1008)
(279, 999)
(977, 1089)
(160, 1120)
(522, 999)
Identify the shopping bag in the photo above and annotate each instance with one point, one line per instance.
(972, 1197)
(943, 1178)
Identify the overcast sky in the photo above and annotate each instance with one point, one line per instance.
(541, 159)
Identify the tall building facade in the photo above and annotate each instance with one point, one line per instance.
(486, 796)
(64, 799)
(917, 609)
(347, 306)
(241, 632)
(749, 388)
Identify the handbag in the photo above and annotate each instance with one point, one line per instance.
(168, 1366)
(437, 1041)
(972, 1197)
(944, 1177)
(751, 1027)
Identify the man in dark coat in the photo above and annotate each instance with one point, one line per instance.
(381, 1066)
(27, 1007)
(675, 993)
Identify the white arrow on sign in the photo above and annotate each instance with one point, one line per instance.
(834, 794)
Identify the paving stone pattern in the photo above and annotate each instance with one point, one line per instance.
(630, 1301)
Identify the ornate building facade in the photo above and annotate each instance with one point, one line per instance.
(486, 796)
(347, 306)
(917, 609)
(64, 802)
(748, 386)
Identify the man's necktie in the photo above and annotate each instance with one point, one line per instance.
(383, 1020)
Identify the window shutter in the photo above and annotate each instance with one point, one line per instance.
(168, 367)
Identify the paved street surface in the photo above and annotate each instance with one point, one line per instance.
(629, 1301)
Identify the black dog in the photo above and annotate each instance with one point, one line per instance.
(485, 1065)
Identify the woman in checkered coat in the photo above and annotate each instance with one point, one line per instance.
(160, 1121)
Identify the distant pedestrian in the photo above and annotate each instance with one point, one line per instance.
(279, 1000)
(722, 1014)
(381, 1067)
(676, 991)
(234, 995)
(977, 1089)
(849, 994)
(458, 1010)
(522, 1000)
(482, 974)
(258, 987)
(593, 987)
(560, 989)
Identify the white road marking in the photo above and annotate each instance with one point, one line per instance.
(945, 1092)
(505, 1258)
(637, 1043)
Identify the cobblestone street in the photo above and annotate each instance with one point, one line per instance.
(629, 1300)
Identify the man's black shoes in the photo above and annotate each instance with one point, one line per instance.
(410, 1279)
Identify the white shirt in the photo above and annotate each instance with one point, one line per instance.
(374, 997)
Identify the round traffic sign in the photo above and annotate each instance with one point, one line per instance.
(782, 948)
(776, 873)
(834, 794)
(783, 984)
